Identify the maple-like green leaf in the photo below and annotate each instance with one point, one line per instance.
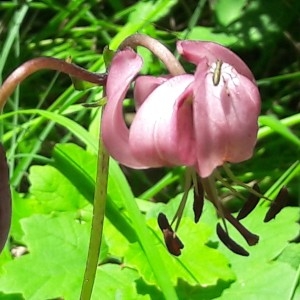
(198, 264)
(116, 282)
(11, 296)
(80, 168)
(53, 190)
(54, 267)
(258, 280)
(49, 191)
(291, 255)
(260, 274)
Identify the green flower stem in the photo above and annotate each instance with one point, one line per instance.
(97, 222)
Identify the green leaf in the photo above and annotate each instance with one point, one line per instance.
(142, 14)
(228, 11)
(11, 297)
(116, 282)
(150, 11)
(119, 191)
(54, 191)
(198, 264)
(80, 168)
(261, 281)
(57, 247)
(49, 191)
(291, 255)
(259, 275)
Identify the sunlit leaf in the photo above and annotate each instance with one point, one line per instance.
(198, 263)
(54, 191)
(259, 275)
(57, 246)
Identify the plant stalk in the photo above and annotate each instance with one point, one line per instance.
(97, 222)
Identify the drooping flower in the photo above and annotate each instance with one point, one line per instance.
(185, 119)
(199, 120)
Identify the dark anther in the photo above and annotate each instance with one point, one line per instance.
(277, 205)
(250, 204)
(172, 242)
(230, 243)
(251, 238)
(163, 222)
(198, 201)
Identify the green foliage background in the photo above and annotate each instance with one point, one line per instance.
(51, 143)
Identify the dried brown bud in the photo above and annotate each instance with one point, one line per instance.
(5, 199)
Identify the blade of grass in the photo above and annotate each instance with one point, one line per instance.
(285, 178)
(277, 126)
(69, 124)
(158, 186)
(13, 33)
(288, 122)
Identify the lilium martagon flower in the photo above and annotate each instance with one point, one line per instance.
(201, 121)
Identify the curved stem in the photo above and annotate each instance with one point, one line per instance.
(50, 63)
(158, 49)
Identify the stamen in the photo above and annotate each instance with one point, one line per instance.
(228, 185)
(230, 243)
(173, 243)
(277, 205)
(251, 238)
(187, 186)
(250, 204)
(198, 198)
(247, 187)
(210, 190)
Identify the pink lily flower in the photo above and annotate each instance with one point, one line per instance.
(201, 120)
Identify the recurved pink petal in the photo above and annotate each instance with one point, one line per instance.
(144, 85)
(162, 131)
(195, 51)
(225, 118)
(242, 120)
(124, 67)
